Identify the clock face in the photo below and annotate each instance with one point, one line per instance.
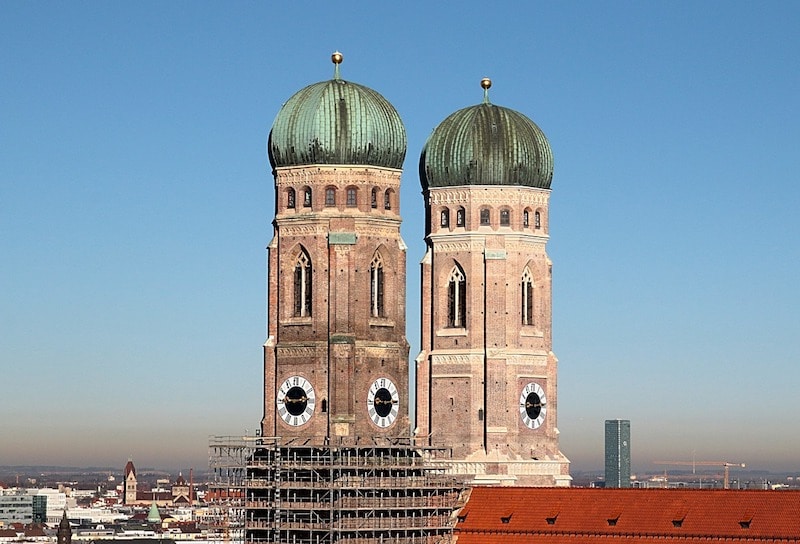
(296, 401)
(383, 402)
(532, 405)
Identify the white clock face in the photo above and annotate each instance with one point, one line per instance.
(296, 401)
(383, 402)
(532, 405)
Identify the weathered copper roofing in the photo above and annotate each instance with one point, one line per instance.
(337, 122)
(486, 145)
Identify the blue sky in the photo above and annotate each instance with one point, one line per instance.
(136, 202)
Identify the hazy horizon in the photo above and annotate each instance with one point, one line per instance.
(136, 201)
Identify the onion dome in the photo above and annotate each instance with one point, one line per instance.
(337, 122)
(486, 145)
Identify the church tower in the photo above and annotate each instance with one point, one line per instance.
(336, 356)
(486, 374)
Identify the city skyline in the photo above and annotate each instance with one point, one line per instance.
(136, 199)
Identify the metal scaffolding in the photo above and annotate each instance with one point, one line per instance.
(350, 492)
(228, 457)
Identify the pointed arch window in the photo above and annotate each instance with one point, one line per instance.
(457, 298)
(537, 220)
(526, 219)
(376, 286)
(527, 297)
(302, 285)
(290, 198)
(445, 218)
(387, 200)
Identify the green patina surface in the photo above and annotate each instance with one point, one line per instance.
(486, 145)
(337, 122)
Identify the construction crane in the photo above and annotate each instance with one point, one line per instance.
(724, 464)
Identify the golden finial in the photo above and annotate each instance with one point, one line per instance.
(337, 59)
(486, 83)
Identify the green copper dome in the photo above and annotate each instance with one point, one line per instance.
(486, 145)
(337, 122)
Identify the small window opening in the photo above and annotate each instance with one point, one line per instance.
(537, 220)
(290, 198)
(445, 218)
(485, 216)
(505, 218)
(387, 200)
(351, 197)
(525, 219)
(460, 217)
(374, 201)
(330, 196)
(307, 197)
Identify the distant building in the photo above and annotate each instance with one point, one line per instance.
(618, 453)
(16, 506)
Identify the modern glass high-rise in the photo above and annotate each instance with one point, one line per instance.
(618, 453)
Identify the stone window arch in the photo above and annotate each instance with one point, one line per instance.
(376, 287)
(527, 297)
(303, 285)
(330, 196)
(460, 217)
(505, 217)
(352, 197)
(457, 298)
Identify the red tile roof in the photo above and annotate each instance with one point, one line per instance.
(526, 515)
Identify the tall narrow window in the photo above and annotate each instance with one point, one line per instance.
(526, 219)
(456, 298)
(445, 218)
(537, 220)
(460, 217)
(484, 216)
(374, 201)
(290, 195)
(387, 200)
(307, 197)
(330, 196)
(376, 287)
(527, 297)
(302, 285)
(351, 197)
(505, 218)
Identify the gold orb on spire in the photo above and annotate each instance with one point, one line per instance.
(337, 57)
(486, 83)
